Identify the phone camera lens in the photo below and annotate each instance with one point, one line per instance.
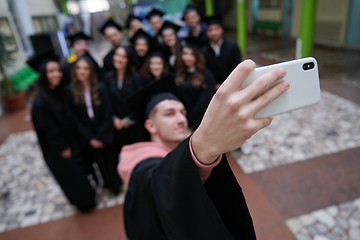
(308, 66)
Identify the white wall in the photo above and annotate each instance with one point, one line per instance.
(41, 7)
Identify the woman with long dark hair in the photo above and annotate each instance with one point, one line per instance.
(154, 68)
(196, 84)
(56, 134)
(172, 45)
(92, 111)
(141, 45)
(121, 84)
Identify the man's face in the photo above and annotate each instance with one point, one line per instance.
(141, 47)
(113, 35)
(192, 19)
(169, 121)
(156, 23)
(135, 25)
(80, 47)
(214, 33)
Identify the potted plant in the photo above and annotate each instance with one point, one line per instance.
(13, 100)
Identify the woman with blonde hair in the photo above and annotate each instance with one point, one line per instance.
(92, 112)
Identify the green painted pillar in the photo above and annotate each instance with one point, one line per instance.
(308, 14)
(241, 25)
(64, 7)
(209, 7)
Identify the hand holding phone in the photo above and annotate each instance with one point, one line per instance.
(303, 76)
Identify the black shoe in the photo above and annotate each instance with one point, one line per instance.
(87, 208)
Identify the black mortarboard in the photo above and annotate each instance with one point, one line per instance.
(189, 8)
(109, 23)
(158, 52)
(78, 36)
(154, 12)
(130, 19)
(216, 19)
(193, 43)
(171, 25)
(142, 102)
(37, 62)
(141, 34)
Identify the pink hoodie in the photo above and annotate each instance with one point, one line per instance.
(133, 154)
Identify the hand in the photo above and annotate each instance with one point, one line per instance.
(66, 153)
(96, 144)
(118, 124)
(125, 124)
(230, 118)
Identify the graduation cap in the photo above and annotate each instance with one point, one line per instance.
(189, 8)
(167, 25)
(141, 34)
(37, 62)
(216, 19)
(110, 23)
(193, 43)
(78, 36)
(131, 18)
(154, 12)
(157, 51)
(143, 101)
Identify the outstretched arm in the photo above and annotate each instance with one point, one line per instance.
(230, 118)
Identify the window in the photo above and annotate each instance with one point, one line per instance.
(45, 24)
(6, 29)
(268, 4)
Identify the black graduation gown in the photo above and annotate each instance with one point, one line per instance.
(167, 200)
(66, 68)
(135, 132)
(196, 100)
(202, 37)
(108, 62)
(228, 59)
(100, 128)
(56, 132)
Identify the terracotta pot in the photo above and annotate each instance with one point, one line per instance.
(15, 103)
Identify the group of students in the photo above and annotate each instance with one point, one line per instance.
(168, 113)
(81, 115)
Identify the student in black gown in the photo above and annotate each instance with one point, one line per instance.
(172, 45)
(134, 23)
(196, 84)
(222, 55)
(112, 31)
(80, 47)
(91, 108)
(197, 29)
(182, 187)
(121, 84)
(154, 68)
(56, 133)
(156, 22)
(141, 44)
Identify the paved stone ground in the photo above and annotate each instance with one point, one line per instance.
(29, 194)
(332, 223)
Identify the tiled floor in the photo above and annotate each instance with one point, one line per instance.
(301, 179)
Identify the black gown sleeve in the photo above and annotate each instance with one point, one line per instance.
(105, 131)
(173, 203)
(45, 122)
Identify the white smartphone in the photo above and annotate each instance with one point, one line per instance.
(303, 76)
